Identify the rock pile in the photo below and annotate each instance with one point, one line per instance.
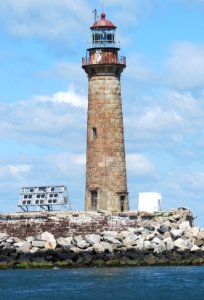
(168, 238)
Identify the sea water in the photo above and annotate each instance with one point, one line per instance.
(106, 283)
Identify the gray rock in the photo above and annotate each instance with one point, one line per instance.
(177, 217)
(25, 248)
(169, 243)
(17, 245)
(78, 238)
(195, 248)
(73, 249)
(111, 239)
(199, 242)
(3, 237)
(6, 245)
(50, 240)
(83, 244)
(131, 229)
(107, 247)
(92, 238)
(138, 230)
(10, 240)
(64, 241)
(176, 233)
(122, 235)
(150, 236)
(140, 244)
(156, 241)
(159, 248)
(34, 250)
(30, 239)
(38, 244)
(182, 244)
(184, 225)
(110, 233)
(16, 240)
(130, 239)
(163, 228)
(102, 247)
(148, 245)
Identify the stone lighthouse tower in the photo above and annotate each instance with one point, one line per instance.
(106, 183)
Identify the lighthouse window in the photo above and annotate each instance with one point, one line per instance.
(96, 37)
(110, 38)
(94, 133)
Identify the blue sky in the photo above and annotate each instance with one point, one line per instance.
(43, 97)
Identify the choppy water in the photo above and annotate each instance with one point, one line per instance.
(106, 283)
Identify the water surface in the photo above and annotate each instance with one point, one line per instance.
(105, 283)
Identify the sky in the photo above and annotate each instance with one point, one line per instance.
(43, 97)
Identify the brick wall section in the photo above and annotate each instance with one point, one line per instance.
(63, 224)
(106, 166)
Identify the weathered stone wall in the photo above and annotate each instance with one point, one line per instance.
(63, 224)
(106, 166)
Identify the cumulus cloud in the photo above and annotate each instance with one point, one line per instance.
(68, 97)
(46, 119)
(185, 65)
(58, 23)
(44, 18)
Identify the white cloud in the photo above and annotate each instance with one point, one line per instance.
(15, 170)
(185, 66)
(47, 119)
(138, 164)
(68, 97)
(158, 118)
(49, 20)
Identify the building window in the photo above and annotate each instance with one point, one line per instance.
(94, 133)
(122, 203)
(94, 200)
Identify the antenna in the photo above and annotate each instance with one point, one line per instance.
(102, 5)
(95, 15)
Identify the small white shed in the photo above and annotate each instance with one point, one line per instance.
(149, 202)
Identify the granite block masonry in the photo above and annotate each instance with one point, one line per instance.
(97, 239)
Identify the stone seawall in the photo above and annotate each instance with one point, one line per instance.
(63, 224)
(77, 239)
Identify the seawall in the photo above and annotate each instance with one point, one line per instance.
(77, 239)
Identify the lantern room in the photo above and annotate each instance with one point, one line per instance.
(104, 48)
(103, 33)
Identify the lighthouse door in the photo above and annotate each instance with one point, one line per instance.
(94, 200)
(122, 202)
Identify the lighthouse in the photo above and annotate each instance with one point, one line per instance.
(106, 182)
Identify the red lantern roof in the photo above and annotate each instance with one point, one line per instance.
(103, 23)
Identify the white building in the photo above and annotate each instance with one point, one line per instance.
(149, 202)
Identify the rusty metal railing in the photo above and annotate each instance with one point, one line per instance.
(121, 60)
